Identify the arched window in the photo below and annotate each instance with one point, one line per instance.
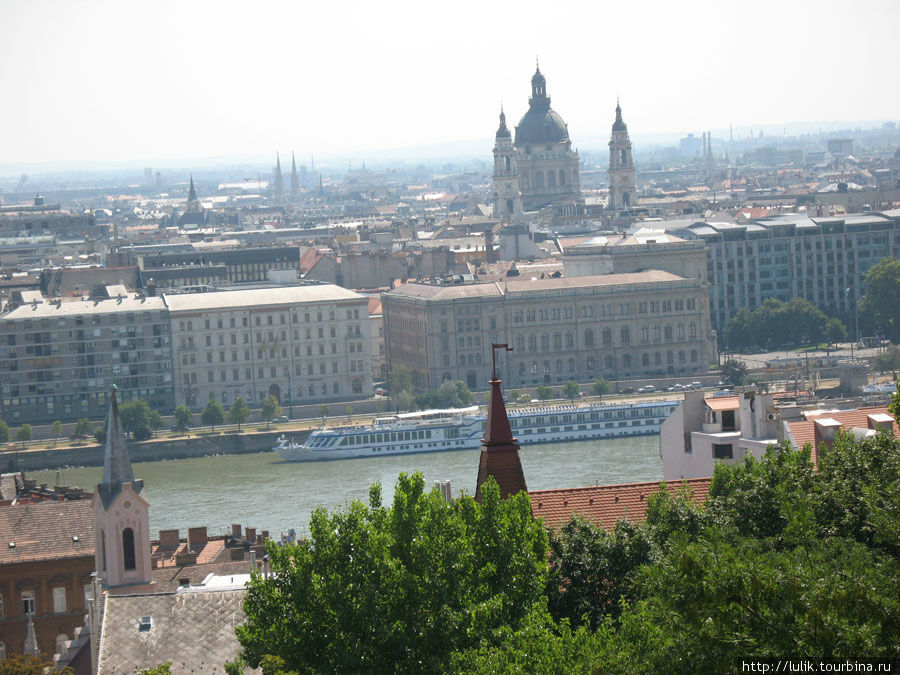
(357, 384)
(128, 553)
(590, 363)
(626, 360)
(645, 359)
(312, 391)
(571, 365)
(534, 367)
(562, 177)
(693, 356)
(538, 179)
(559, 365)
(670, 357)
(657, 359)
(679, 331)
(336, 388)
(546, 367)
(551, 178)
(625, 335)
(506, 164)
(462, 359)
(667, 332)
(61, 641)
(609, 362)
(692, 329)
(522, 368)
(589, 337)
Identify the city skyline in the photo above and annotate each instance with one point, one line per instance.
(139, 82)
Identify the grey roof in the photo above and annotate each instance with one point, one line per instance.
(76, 307)
(116, 464)
(195, 631)
(255, 297)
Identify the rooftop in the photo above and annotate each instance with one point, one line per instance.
(46, 531)
(255, 297)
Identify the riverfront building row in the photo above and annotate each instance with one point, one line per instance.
(302, 344)
(614, 325)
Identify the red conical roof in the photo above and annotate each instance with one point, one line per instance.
(499, 450)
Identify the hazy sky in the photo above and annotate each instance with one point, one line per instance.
(156, 81)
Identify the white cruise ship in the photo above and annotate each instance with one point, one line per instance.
(463, 428)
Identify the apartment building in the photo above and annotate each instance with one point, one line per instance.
(58, 359)
(616, 325)
(302, 344)
(822, 259)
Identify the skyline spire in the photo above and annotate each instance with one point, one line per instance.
(116, 463)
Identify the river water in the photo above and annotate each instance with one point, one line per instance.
(262, 491)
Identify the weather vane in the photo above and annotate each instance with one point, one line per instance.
(494, 348)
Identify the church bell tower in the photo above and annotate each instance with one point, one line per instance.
(622, 191)
(121, 514)
(507, 196)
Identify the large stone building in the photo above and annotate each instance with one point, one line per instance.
(620, 254)
(58, 359)
(794, 256)
(539, 167)
(302, 344)
(616, 326)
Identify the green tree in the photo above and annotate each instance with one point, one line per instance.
(405, 401)
(184, 419)
(270, 409)
(324, 411)
(162, 669)
(349, 410)
(156, 422)
(601, 387)
(889, 360)
(24, 434)
(397, 589)
(571, 390)
(544, 392)
(26, 664)
(4, 432)
(400, 380)
(135, 419)
(213, 414)
(734, 372)
(57, 431)
(99, 435)
(880, 301)
(83, 428)
(239, 412)
(835, 331)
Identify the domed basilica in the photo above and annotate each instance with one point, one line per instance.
(539, 167)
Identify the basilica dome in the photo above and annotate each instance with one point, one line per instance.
(541, 124)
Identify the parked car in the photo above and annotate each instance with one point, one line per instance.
(283, 418)
(627, 390)
(695, 385)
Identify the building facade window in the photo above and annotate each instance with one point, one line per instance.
(59, 600)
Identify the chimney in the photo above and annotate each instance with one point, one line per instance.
(236, 530)
(252, 561)
(185, 557)
(196, 538)
(879, 421)
(168, 539)
(250, 534)
(826, 429)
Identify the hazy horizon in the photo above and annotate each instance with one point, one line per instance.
(165, 83)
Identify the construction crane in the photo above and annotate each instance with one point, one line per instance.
(22, 180)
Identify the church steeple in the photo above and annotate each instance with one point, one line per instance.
(116, 464)
(279, 182)
(539, 96)
(499, 449)
(192, 193)
(502, 131)
(295, 179)
(622, 187)
(121, 513)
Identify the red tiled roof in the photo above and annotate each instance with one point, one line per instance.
(805, 432)
(605, 505)
(723, 402)
(46, 531)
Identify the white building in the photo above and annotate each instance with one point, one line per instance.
(301, 344)
(702, 431)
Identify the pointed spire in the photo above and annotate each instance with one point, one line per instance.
(499, 449)
(116, 464)
(192, 193)
(295, 179)
(279, 183)
(31, 646)
(619, 125)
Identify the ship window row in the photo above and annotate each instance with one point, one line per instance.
(391, 437)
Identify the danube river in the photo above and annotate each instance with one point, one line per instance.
(264, 492)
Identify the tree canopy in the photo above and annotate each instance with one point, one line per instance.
(378, 589)
(213, 414)
(776, 322)
(880, 302)
(271, 409)
(239, 412)
(184, 418)
(135, 419)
